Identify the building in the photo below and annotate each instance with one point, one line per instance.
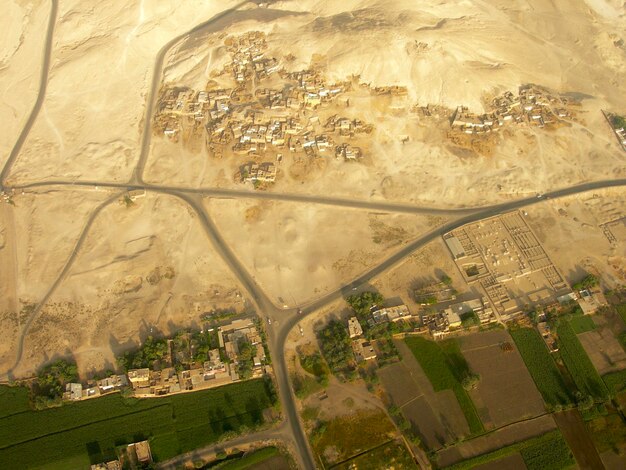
(354, 327)
(393, 314)
(112, 465)
(113, 383)
(454, 319)
(363, 350)
(73, 391)
(455, 247)
(139, 377)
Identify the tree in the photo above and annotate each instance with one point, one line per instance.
(446, 279)
(587, 282)
(362, 303)
(619, 122)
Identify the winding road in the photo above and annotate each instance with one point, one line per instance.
(291, 427)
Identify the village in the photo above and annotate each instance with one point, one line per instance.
(508, 275)
(261, 123)
(188, 362)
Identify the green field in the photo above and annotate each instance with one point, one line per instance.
(541, 366)
(546, 452)
(13, 400)
(582, 323)
(621, 310)
(444, 365)
(77, 434)
(615, 381)
(578, 363)
(390, 455)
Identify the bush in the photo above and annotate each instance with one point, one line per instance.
(362, 303)
(336, 348)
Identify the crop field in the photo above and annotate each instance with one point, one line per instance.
(582, 323)
(13, 400)
(269, 458)
(390, 455)
(81, 433)
(348, 436)
(443, 367)
(541, 366)
(578, 363)
(615, 382)
(546, 452)
(506, 392)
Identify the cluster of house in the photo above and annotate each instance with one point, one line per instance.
(235, 124)
(363, 349)
(254, 172)
(443, 321)
(220, 369)
(133, 456)
(248, 57)
(531, 105)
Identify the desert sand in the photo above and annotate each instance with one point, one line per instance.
(150, 267)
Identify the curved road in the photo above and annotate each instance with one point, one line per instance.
(66, 267)
(194, 198)
(43, 85)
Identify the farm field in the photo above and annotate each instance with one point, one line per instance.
(575, 433)
(603, 349)
(615, 382)
(78, 434)
(391, 455)
(347, 436)
(582, 323)
(443, 369)
(493, 441)
(578, 363)
(435, 415)
(546, 452)
(268, 458)
(506, 392)
(541, 366)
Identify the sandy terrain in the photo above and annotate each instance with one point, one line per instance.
(101, 68)
(571, 231)
(144, 269)
(428, 51)
(90, 128)
(298, 252)
(24, 29)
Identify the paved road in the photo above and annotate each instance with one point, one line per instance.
(157, 73)
(193, 197)
(43, 85)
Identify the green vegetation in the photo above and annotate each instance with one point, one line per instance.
(362, 303)
(150, 354)
(618, 122)
(305, 385)
(587, 282)
(249, 460)
(337, 349)
(469, 319)
(615, 381)
(446, 369)
(128, 201)
(542, 367)
(446, 279)
(390, 455)
(546, 452)
(579, 365)
(81, 433)
(351, 435)
(608, 432)
(552, 454)
(13, 400)
(621, 310)
(50, 384)
(582, 323)
(245, 359)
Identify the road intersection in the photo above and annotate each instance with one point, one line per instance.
(194, 198)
